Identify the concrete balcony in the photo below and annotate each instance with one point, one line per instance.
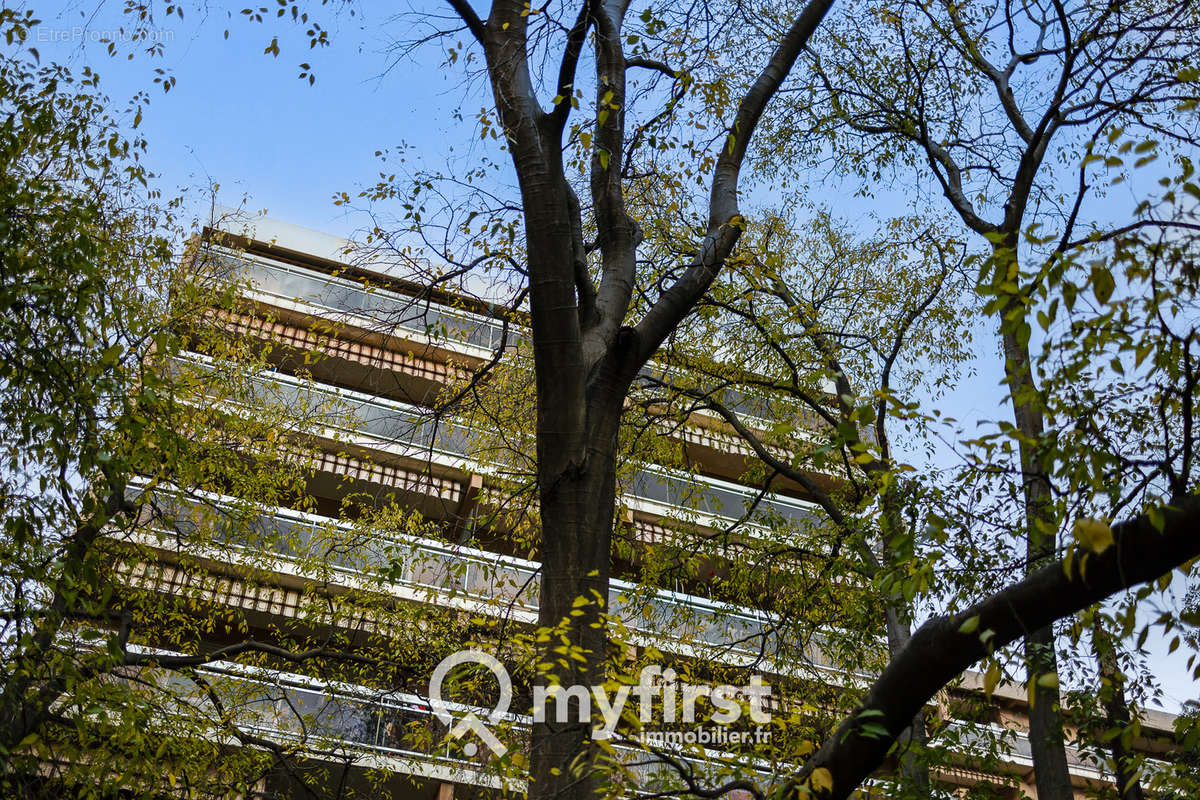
(419, 439)
(369, 308)
(399, 732)
(427, 571)
(374, 309)
(410, 432)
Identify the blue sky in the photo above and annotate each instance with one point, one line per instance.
(242, 119)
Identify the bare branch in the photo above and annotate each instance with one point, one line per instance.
(724, 226)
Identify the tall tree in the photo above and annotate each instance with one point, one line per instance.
(1006, 110)
(838, 338)
(586, 354)
(648, 123)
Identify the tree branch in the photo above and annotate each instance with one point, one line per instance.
(940, 649)
(473, 22)
(651, 64)
(570, 63)
(618, 235)
(1093, 238)
(724, 226)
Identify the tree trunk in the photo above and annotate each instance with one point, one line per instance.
(913, 771)
(1045, 718)
(1117, 716)
(579, 406)
(577, 513)
(576, 523)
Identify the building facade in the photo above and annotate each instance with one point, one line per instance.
(371, 355)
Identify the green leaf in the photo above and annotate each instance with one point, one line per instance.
(1093, 535)
(1048, 680)
(1102, 283)
(991, 678)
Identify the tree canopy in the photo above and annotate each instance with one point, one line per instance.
(139, 445)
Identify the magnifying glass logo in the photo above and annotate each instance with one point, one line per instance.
(469, 722)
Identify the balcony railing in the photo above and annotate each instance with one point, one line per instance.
(401, 726)
(340, 296)
(444, 574)
(379, 307)
(291, 707)
(720, 499)
(373, 421)
(383, 421)
(977, 739)
(393, 424)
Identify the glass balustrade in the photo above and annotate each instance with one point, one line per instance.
(979, 739)
(397, 423)
(283, 707)
(382, 308)
(754, 409)
(289, 707)
(413, 563)
(339, 295)
(381, 420)
(446, 572)
(401, 724)
(720, 499)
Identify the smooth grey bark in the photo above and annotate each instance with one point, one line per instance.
(1046, 731)
(912, 740)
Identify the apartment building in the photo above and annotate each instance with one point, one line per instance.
(375, 353)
